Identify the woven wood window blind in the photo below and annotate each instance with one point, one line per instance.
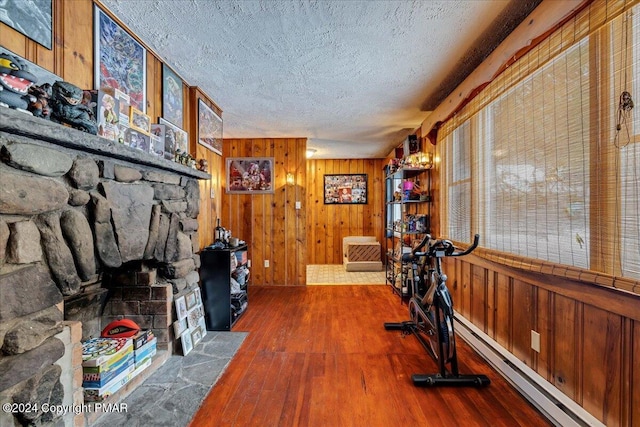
(544, 163)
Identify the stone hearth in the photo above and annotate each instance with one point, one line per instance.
(90, 231)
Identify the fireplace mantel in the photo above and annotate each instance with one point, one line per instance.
(19, 123)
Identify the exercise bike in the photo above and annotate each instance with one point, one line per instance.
(431, 313)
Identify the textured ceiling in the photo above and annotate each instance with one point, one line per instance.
(355, 77)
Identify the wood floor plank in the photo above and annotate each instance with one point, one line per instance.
(320, 356)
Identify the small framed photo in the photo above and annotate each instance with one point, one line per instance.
(157, 140)
(203, 326)
(139, 121)
(191, 300)
(174, 139)
(192, 317)
(196, 335)
(179, 326)
(187, 342)
(181, 307)
(137, 140)
(198, 296)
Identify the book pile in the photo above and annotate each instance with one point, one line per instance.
(110, 363)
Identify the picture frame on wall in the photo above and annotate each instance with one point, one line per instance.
(345, 189)
(249, 175)
(120, 61)
(175, 138)
(31, 18)
(209, 128)
(172, 97)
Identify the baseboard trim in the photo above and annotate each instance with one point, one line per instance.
(557, 407)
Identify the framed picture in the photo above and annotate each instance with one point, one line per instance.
(198, 296)
(179, 326)
(174, 139)
(249, 175)
(157, 140)
(139, 121)
(137, 140)
(193, 316)
(191, 300)
(346, 189)
(172, 96)
(181, 307)
(209, 128)
(120, 61)
(31, 18)
(108, 115)
(187, 342)
(196, 335)
(203, 326)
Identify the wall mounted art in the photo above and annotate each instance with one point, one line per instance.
(346, 189)
(172, 97)
(121, 62)
(209, 128)
(31, 18)
(249, 175)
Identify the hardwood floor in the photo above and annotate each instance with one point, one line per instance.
(320, 356)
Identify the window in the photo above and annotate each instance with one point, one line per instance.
(537, 173)
(535, 164)
(459, 178)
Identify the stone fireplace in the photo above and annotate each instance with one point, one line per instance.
(90, 232)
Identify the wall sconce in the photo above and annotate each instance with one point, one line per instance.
(311, 152)
(291, 179)
(426, 160)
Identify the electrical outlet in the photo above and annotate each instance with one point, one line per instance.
(249, 263)
(535, 341)
(266, 263)
(298, 205)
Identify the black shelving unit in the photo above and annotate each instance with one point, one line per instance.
(406, 220)
(223, 302)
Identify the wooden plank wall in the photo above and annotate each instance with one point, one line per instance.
(590, 335)
(269, 223)
(328, 224)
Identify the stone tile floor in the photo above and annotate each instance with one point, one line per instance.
(172, 395)
(335, 274)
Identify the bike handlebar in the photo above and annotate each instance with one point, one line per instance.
(442, 247)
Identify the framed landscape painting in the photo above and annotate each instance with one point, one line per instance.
(209, 128)
(120, 61)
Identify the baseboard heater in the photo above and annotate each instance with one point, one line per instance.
(557, 407)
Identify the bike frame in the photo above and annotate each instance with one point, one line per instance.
(431, 314)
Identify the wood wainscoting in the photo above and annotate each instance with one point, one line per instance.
(589, 334)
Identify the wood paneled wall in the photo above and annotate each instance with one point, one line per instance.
(328, 224)
(589, 335)
(274, 229)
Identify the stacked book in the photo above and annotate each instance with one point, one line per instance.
(110, 363)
